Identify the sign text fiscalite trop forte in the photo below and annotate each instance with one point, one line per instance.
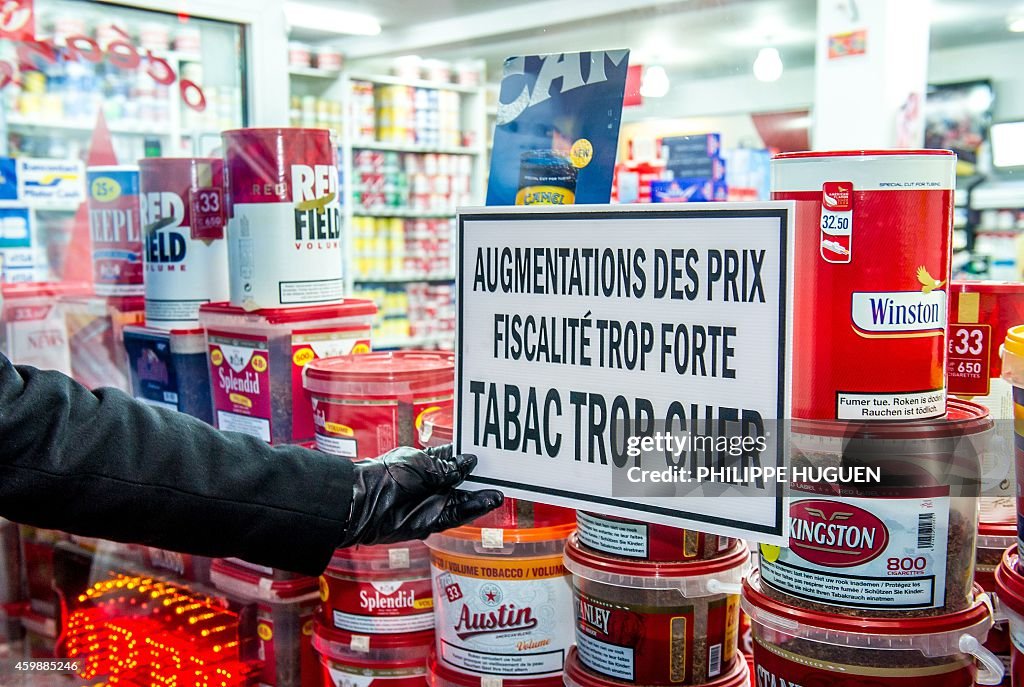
(583, 331)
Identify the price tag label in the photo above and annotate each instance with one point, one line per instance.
(836, 221)
(208, 216)
(968, 360)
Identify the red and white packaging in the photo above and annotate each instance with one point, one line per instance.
(378, 590)
(284, 622)
(440, 675)
(327, 57)
(353, 660)
(186, 255)
(993, 541)
(980, 315)
(284, 218)
(95, 329)
(1010, 591)
(889, 547)
(644, 541)
(503, 601)
(795, 646)
(299, 55)
(657, 623)
(873, 232)
(366, 405)
(33, 329)
(257, 360)
(576, 675)
(115, 225)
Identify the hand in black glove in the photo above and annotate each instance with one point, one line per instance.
(408, 494)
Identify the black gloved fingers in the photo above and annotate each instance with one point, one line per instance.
(465, 506)
(421, 472)
(440, 452)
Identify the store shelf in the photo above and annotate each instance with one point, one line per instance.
(402, 212)
(64, 125)
(414, 148)
(414, 341)
(314, 73)
(415, 83)
(402, 279)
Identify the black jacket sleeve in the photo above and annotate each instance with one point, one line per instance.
(100, 464)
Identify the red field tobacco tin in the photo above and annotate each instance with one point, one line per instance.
(284, 217)
(872, 256)
(186, 257)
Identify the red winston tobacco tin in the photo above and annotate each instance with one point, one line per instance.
(872, 259)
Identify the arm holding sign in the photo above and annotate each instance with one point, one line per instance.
(101, 464)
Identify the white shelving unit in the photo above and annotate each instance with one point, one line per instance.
(177, 139)
(338, 87)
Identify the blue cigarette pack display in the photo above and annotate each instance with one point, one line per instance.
(688, 191)
(557, 130)
(169, 369)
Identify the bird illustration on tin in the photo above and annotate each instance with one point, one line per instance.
(928, 282)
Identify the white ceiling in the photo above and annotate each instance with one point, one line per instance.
(696, 37)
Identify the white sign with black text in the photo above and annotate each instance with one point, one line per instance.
(629, 361)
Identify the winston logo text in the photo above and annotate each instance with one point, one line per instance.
(505, 618)
(898, 313)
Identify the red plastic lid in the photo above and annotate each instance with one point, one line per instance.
(403, 640)
(145, 329)
(380, 553)
(263, 586)
(128, 303)
(511, 535)
(859, 153)
(976, 614)
(350, 307)
(737, 556)
(738, 674)
(962, 418)
(1007, 528)
(384, 366)
(1010, 583)
(455, 677)
(438, 427)
(45, 289)
(979, 286)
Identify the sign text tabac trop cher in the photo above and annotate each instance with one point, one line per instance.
(582, 330)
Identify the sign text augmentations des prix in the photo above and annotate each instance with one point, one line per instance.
(580, 327)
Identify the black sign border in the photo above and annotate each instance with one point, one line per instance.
(781, 214)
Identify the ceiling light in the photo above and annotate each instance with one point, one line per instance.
(1015, 23)
(654, 83)
(768, 65)
(319, 18)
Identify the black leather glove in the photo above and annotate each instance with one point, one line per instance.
(409, 494)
